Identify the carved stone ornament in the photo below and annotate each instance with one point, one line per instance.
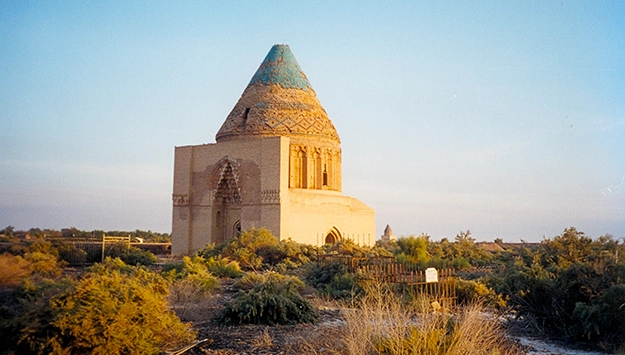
(180, 199)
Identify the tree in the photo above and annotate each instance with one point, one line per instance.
(570, 247)
(413, 249)
(8, 231)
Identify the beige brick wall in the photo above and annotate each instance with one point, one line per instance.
(313, 213)
(262, 170)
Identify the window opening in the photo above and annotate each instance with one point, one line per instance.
(247, 111)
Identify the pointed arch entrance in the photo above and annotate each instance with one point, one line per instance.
(333, 236)
(226, 215)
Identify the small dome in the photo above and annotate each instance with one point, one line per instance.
(278, 101)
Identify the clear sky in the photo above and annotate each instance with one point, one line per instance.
(503, 117)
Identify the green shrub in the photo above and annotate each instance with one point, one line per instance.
(224, 268)
(349, 247)
(344, 287)
(69, 253)
(25, 314)
(194, 270)
(129, 254)
(112, 309)
(570, 288)
(249, 281)
(333, 280)
(604, 319)
(258, 249)
(275, 300)
(287, 255)
(413, 249)
(321, 274)
(469, 292)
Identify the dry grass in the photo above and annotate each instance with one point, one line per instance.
(381, 324)
(262, 341)
(190, 300)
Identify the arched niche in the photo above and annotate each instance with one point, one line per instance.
(333, 236)
(226, 203)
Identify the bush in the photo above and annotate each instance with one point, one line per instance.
(191, 285)
(129, 254)
(194, 270)
(25, 314)
(274, 300)
(342, 287)
(43, 264)
(604, 319)
(569, 287)
(470, 292)
(249, 281)
(349, 247)
(258, 249)
(69, 253)
(224, 268)
(112, 309)
(333, 280)
(320, 274)
(287, 255)
(13, 269)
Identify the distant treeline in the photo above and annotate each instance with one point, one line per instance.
(73, 232)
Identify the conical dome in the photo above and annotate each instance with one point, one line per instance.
(278, 101)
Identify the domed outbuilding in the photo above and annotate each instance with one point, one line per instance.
(276, 164)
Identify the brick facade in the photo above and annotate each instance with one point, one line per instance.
(276, 164)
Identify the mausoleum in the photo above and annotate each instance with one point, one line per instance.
(276, 164)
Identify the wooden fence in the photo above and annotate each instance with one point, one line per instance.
(78, 251)
(405, 276)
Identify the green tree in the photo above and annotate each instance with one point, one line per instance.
(8, 231)
(413, 249)
(570, 247)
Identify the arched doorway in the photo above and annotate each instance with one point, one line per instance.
(333, 236)
(236, 229)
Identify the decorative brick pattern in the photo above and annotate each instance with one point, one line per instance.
(270, 197)
(278, 101)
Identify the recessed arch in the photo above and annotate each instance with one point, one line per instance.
(224, 167)
(333, 236)
(226, 200)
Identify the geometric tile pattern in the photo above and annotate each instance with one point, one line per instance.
(278, 101)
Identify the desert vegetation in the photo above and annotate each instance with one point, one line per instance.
(267, 292)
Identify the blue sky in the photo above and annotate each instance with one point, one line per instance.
(505, 118)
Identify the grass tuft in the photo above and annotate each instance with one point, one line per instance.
(381, 324)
